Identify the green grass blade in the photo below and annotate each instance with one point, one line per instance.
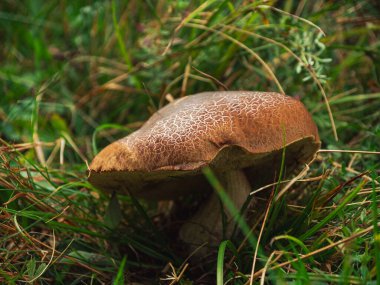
(220, 260)
(104, 127)
(217, 186)
(119, 279)
(119, 36)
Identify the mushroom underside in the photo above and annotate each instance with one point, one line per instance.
(170, 182)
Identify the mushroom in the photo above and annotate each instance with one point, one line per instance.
(240, 135)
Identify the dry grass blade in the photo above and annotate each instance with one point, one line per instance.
(74, 146)
(185, 78)
(38, 149)
(188, 18)
(293, 16)
(297, 178)
(277, 256)
(243, 46)
(348, 151)
(211, 77)
(317, 178)
(351, 170)
(322, 249)
(260, 235)
(325, 199)
(175, 278)
(23, 146)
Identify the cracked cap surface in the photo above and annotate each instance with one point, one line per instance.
(224, 129)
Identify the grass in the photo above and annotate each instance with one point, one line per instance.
(76, 76)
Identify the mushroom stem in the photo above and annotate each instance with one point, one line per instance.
(207, 223)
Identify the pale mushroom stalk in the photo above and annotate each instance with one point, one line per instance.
(206, 226)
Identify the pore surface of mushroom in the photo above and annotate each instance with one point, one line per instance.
(239, 134)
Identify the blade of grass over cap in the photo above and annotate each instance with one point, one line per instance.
(239, 219)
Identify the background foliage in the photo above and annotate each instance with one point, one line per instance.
(77, 75)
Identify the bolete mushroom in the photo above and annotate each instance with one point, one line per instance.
(240, 135)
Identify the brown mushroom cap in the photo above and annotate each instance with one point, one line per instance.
(225, 130)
